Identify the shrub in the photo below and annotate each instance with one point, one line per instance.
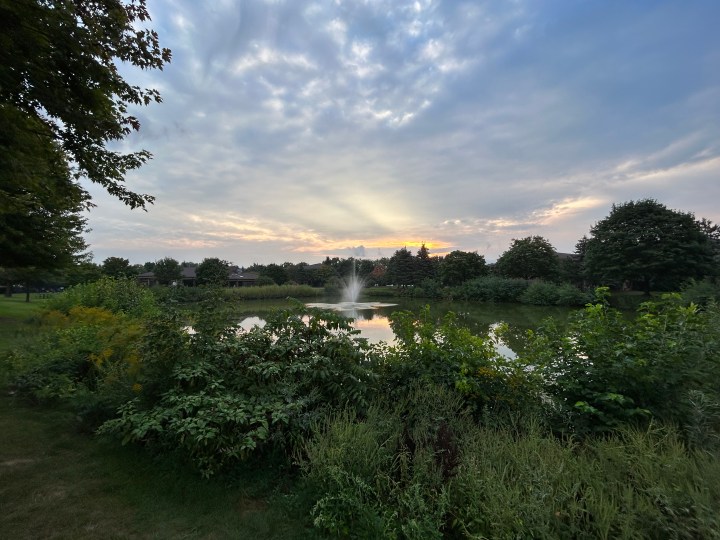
(451, 356)
(384, 475)
(90, 361)
(118, 295)
(604, 370)
(231, 394)
(491, 289)
(542, 293)
(700, 292)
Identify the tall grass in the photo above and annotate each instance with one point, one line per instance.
(273, 291)
(378, 477)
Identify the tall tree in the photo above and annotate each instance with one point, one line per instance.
(167, 270)
(213, 271)
(532, 257)
(59, 82)
(459, 266)
(275, 272)
(116, 267)
(646, 242)
(401, 268)
(425, 266)
(62, 103)
(41, 222)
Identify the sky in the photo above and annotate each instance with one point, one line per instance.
(293, 131)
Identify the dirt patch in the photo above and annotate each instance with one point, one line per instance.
(16, 462)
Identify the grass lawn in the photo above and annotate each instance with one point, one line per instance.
(16, 318)
(58, 483)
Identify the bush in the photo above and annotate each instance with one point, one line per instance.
(542, 293)
(451, 356)
(386, 475)
(700, 292)
(230, 394)
(117, 295)
(90, 361)
(491, 289)
(604, 370)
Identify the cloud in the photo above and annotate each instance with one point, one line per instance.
(294, 130)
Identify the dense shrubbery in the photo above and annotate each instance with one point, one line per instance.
(605, 370)
(91, 361)
(491, 289)
(187, 295)
(542, 293)
(118, 295)
(420, 439)
(229, 394)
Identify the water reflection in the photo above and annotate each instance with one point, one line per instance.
(373, 318)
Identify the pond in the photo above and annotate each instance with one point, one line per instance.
(374, 324)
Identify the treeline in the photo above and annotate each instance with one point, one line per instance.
(641, 245)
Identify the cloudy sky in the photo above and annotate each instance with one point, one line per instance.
(295, 130)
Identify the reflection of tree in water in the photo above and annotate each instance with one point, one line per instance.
(481, 317)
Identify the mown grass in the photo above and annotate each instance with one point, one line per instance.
(18, 319)
(57, 483)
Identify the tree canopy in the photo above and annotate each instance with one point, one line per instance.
(532, 257)
(41, 224)
(213, 271)
(62, 103)
(167, 270)
(60, 84)
(459, 266)
(117, 267)
(646, 242)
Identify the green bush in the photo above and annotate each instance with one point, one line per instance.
(386, 475)
(543, 293)
(700, 292)
(451, 356)
(90, 361)
(491, 289)
(118, 295)
(604, 369)
(227, 394)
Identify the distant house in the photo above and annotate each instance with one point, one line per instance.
(236, 278)
(188, 277)
(147, 278)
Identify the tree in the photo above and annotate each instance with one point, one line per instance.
(275, 272)
(646, 242)
(60, 84)
(572, 268)
(213, 271)
(529, 258)
(712, 232)
(41, 224)
(116, 267)
(459, 266)
(401, 268)
(167, 270)
(425, 266)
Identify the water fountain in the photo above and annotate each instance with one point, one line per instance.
(350, 304)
